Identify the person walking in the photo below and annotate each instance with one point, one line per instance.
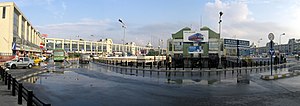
(169, 61)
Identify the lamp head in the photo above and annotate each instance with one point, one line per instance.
(221, 13)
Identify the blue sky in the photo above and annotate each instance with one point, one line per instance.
(151, 20)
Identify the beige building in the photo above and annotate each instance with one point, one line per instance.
(104, 46)
(17, 34)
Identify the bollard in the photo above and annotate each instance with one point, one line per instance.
(150, 73)
(143, 65)
(183, 66)
(13, 87)
(200, 65)
(9, 81)
(121, 63)
(136, 72)
(260, 63)
(256, 63)
(126, 63)
(173, 65)
(143, 73)
(20, 93)
(29, 98)
(158, 65)
(137, 65)
(5, 78)
(151, 65)
(167, 66)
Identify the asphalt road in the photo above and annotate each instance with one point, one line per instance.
(98, 85)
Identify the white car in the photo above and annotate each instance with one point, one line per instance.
(42, 58)
(22, 62)
(95, 57)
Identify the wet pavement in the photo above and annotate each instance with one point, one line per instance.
(97, 85)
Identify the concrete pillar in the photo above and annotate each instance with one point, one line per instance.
(63, 44)
(54, 42)
(71, 44)
(84, 46)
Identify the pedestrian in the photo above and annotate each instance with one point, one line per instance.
(169, 62)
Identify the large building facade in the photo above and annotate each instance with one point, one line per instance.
(208, 44)
(104, 46)
(17, 33)
(291, 48)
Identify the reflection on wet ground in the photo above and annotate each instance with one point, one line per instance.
(95, 84)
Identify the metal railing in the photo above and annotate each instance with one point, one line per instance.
(17, 87)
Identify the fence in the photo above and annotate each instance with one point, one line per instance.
(193, 63)
(17, 87)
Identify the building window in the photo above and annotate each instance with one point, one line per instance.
(3, 12)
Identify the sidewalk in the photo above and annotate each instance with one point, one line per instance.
(6, 99)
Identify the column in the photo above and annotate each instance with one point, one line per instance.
(84, 46)
(63, 44)
(54, 42)
(71, 45)
(26, 31)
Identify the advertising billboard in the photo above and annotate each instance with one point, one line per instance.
(195, 36)
(195, 49)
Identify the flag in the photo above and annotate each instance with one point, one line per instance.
(14, 46)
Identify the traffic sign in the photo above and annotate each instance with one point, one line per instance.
(271, 36)
(272, 51)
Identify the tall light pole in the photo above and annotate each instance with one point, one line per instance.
(160, 41)
(220, 20)
(280, 41)
(124, 28)
(258, 45)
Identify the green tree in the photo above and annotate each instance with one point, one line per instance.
(152, 52)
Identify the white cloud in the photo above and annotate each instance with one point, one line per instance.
(107, 28)
(238, 20)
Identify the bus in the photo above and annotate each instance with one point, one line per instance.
(59, 55)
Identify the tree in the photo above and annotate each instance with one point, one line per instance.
(152, 52)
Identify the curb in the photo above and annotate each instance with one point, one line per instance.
(279, 76)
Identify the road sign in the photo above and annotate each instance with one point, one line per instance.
(271, 52)
(271, 36)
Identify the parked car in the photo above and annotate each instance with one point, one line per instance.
(96, 57)
(84, 58)
(22, 62)
(42, 58)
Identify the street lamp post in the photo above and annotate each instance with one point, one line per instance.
(280, 41)
(258, 46)
(124, 29)
(220, 20)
